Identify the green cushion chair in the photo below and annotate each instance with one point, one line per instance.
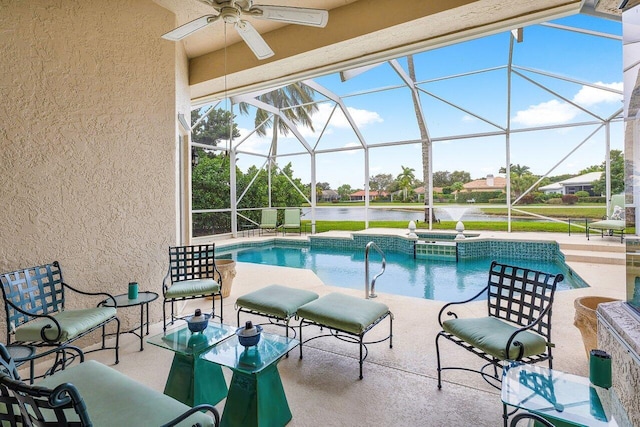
(614, 222)
(91, 394)
(192, 274)
(269, 220)
(291, 220)
(517, 326)
(35, 302)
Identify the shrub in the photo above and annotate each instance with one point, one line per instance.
(554, 201)
(570, 199)
(582, 194)
(528, 199)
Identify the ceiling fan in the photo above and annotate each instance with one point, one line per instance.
(232, 12)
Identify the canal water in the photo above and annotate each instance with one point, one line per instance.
(356, 213)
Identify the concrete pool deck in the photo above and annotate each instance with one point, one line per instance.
(399, 385)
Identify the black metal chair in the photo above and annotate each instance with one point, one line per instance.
(34, 302)
(192, 274)
(517, 326)
(60, 403)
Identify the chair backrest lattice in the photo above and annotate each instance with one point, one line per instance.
(32, 405)
(520, 295)
(37, 290)
(192, 262)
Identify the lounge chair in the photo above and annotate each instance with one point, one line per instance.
(291, 220)
(615, 220)
(269, 220)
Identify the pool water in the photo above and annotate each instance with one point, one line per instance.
(404, 275)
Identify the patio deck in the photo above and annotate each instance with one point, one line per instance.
(399, 385)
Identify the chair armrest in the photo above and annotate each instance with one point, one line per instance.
(185, 415)
(34, 315)
(522, 329)
(451, 313)
(105, 294)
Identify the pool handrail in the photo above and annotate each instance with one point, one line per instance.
(372, 294)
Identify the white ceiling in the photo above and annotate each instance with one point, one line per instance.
(359, 32)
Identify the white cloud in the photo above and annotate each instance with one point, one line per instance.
(362, 118)
(557, 112)
(468, 118)
(255, 143)
(588, 96)
(546, 113)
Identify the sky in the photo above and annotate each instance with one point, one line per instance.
(465, 106)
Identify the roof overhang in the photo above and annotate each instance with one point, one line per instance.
(359, 32)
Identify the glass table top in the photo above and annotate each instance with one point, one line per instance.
(560, 396)
(250, 360)
(181, 340)
(123, 299)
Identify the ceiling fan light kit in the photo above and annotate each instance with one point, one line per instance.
(232, 12)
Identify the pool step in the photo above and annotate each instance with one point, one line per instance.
(594, 253)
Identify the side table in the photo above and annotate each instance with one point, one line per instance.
(560, 398)
(191, 380)
(256, 396)
(143, 300)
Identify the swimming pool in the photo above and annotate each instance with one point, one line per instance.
(423, 278)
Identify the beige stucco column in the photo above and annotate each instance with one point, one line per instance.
(90, 96)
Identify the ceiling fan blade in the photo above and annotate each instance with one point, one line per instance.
(292, 15)
(253, 39)
(190, 27)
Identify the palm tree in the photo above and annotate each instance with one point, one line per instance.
(294, 101)
(426, 141)
(405, 180)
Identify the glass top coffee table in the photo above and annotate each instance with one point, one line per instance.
(256, 396)
(191, 380)
(563, 399)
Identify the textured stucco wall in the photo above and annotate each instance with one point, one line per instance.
(88, 141)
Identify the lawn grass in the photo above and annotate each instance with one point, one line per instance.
(533, 226)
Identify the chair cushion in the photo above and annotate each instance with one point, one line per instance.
(491, 335)
(113, 399)
(72, 323)
(608, 224)
(187, 288)
(276, 300)
(344, 312)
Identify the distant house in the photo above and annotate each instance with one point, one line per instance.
(490, 183)
(420, 191)
(329, 195)
(573, 185)
(358, 196)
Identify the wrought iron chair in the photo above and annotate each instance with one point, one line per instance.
(89, 393)
(34, 302)
(517, 326)
(192, 274)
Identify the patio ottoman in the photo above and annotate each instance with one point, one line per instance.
(274, 302)
(348, 315)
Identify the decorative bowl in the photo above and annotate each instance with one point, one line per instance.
(249, 335)
(198, 322)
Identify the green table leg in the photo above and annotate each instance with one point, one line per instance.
(256, 400)
(195, 381)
